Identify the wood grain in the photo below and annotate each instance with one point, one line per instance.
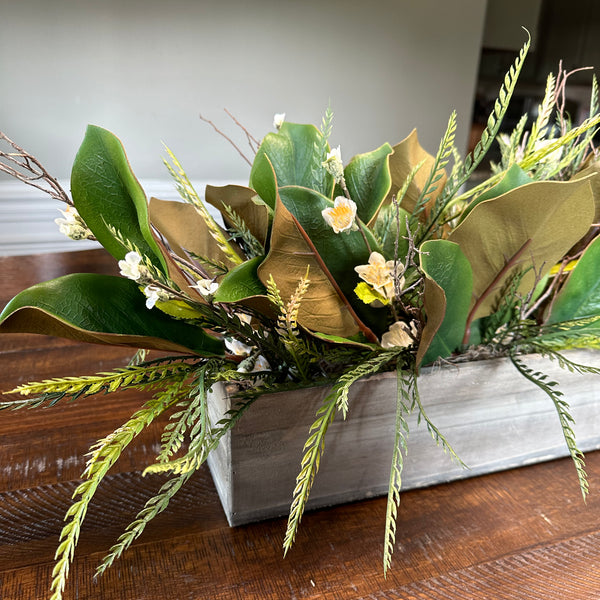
(522, 534)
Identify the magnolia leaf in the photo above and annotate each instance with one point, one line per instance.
(241, 283)
(445, 263)
(184, 228)
(106, 194)
(368, 180)
(513, 178)
(592, 169)
(263, 180)
(293, 154)
(322, 309)
(240, 200)
(407, 155)
(340, 252)
(434, 305)
(101, 309)
(533, 225)
(579, 297)
(179, 309)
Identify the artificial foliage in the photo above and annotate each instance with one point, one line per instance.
(320, 273)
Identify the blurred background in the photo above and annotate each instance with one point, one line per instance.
(147, 70)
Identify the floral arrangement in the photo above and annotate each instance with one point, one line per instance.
(320, 274)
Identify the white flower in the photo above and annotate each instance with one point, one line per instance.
(379, 274)
(278, 120)
(72, 225)
(207, 287)
(400, 334)
(131, 267)
(341, 217)
(261, 364)
(334, 165)
(237, 348)
(152, 294)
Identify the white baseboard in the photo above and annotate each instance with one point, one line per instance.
(27, 217)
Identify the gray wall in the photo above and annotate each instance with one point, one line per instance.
(145, 69)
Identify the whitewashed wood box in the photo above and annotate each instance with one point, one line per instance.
(491, 415)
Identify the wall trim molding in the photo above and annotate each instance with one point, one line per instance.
(27, 216)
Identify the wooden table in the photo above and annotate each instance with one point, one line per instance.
(521, 534)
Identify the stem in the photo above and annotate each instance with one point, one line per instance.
(508, 265)
(364, 236)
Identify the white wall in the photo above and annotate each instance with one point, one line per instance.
(146, 68)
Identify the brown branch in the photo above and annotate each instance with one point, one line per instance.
(507, 266)
(227, 138)
(249, 136)
(26, 163)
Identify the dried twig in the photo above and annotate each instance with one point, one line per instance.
(227, 138)
(252, 141)
(26, 168)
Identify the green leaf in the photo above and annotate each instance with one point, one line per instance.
(101, 309)
(294, 155)
(241, 283)
(580, 295)
(107, 194)
(445, 263)
(358, 340)
(532, 225)
(513, 178)
(368, 180)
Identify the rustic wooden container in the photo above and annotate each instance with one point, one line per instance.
(492, 416)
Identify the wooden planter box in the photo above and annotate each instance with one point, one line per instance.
(492, 416)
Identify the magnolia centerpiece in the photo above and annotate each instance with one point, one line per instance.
(320, 274)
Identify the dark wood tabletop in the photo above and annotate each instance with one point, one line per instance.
(520, 534)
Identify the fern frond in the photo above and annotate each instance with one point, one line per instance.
(203, 444)
(441, 161)
(195, 416)
(488, 135)
(564, 335)
(239, 229)
(534, 158)
(313, 450)
(565, 418)
(151, 509)
(133, 376)
(287, 322)
(406, 387)
(437, 436)
(366, 368)
(540, 127)
(101, 458)
(188, 193)
(562, 361)
(215, 267)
